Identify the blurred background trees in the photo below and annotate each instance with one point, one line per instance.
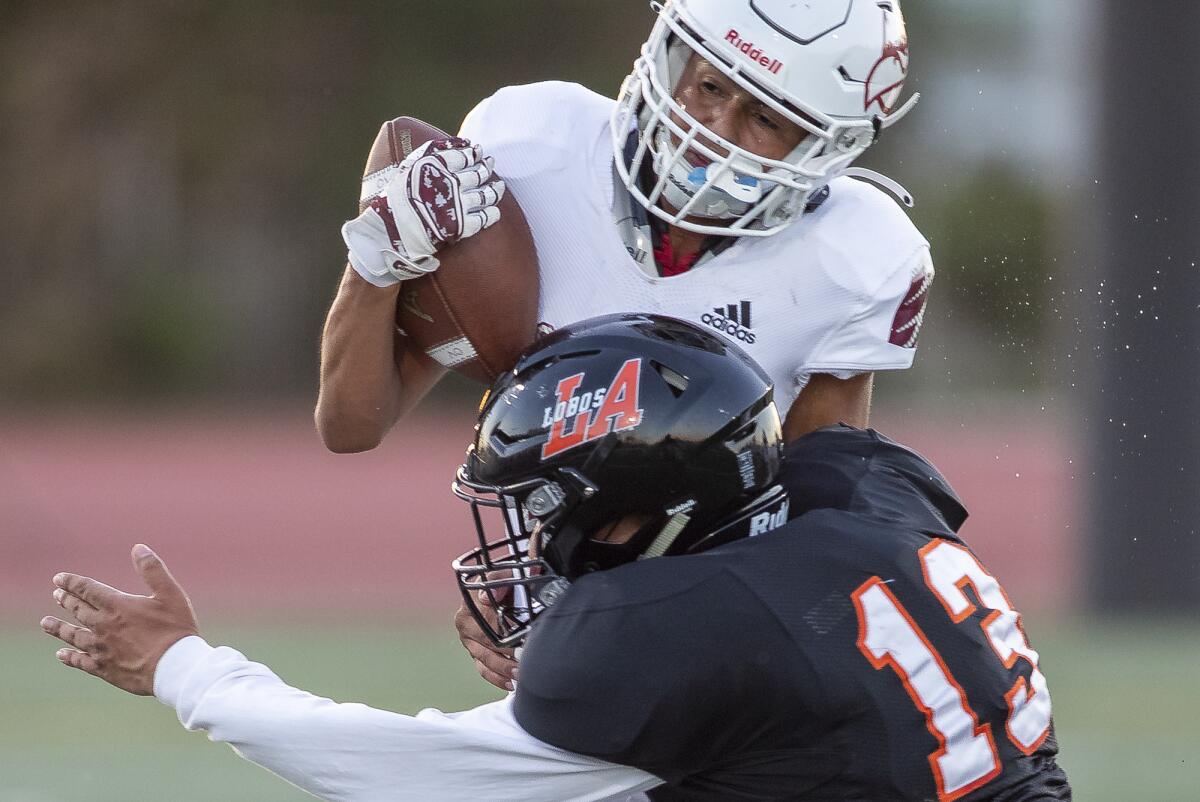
(176, 174)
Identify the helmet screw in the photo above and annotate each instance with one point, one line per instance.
(544, 500)
(848, 141)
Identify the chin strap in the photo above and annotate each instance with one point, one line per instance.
(894, 187)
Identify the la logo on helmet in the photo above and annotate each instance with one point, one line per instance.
(595, 413)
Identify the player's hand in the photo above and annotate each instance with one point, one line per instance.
(444, 191)
(497, 666)
(120, 637)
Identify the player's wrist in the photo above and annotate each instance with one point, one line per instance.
(377, 257)
(172, 667)
(380, 278)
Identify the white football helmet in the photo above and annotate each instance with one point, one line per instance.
(836, 68)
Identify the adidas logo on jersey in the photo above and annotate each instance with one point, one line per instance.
(732, 319)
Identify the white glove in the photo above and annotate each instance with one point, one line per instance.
(442, 192)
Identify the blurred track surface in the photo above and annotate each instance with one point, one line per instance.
(255, 517)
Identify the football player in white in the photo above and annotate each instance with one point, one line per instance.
(716, 188)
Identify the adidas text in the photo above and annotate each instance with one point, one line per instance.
(730, 327)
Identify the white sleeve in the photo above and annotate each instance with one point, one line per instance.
(513, 128)
(881, 332)
(354, 752)
(533, 129)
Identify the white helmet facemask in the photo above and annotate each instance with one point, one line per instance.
(720, 191)
(705, 183)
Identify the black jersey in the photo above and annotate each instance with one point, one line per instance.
(860, 652)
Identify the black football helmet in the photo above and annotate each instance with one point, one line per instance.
(615, 416)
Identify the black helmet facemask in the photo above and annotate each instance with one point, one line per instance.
(508, 582)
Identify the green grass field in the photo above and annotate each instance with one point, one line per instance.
(1126, 705)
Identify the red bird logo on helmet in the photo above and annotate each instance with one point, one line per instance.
(886, 78)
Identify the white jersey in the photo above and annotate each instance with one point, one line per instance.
(356, 753)
(841, 291)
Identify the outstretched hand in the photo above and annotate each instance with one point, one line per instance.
(120, 637)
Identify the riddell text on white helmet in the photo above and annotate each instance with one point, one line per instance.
(752, 52)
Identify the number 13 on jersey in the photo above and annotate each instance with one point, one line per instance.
(966, 757)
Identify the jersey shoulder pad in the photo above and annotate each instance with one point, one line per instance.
(621, 670)
(866, 245)
(862, 235)
(537, 127)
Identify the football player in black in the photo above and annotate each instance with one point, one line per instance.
(858, 651)
(683, 638)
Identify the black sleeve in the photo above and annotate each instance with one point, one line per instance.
(651, 670)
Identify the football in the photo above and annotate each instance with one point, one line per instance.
(478, 311)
